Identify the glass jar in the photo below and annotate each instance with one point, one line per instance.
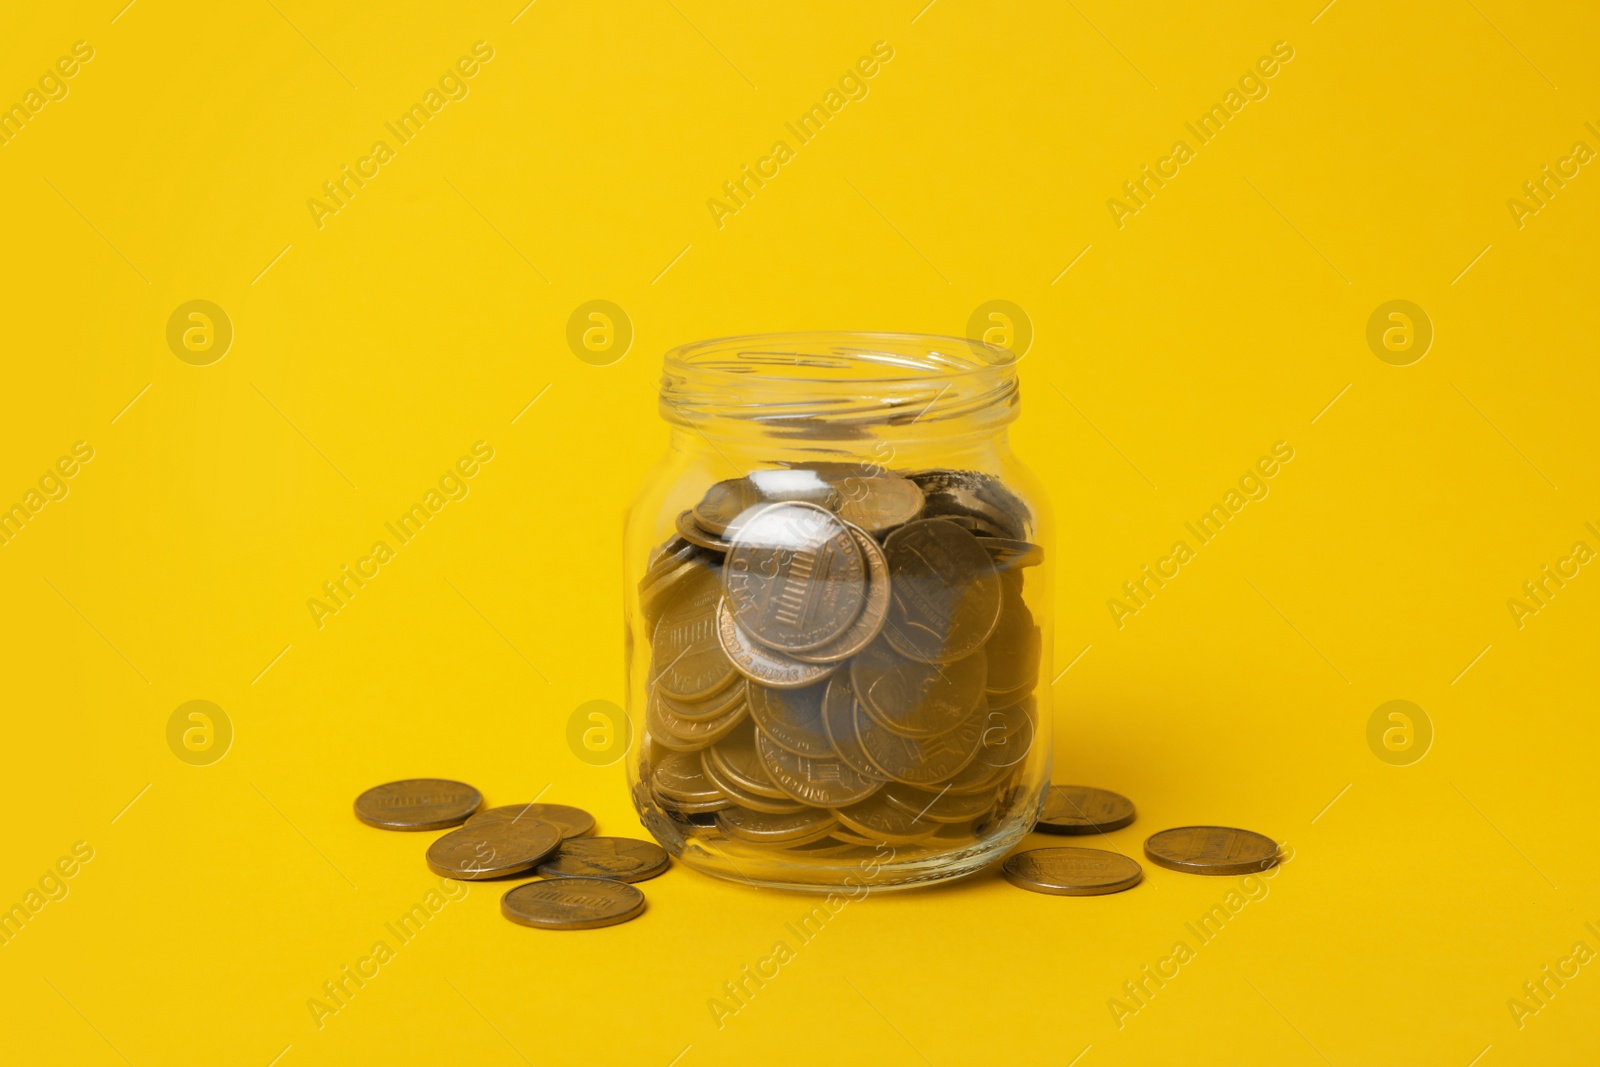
(838, 619)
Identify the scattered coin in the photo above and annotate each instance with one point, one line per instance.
(1212, 850)
(472, 853)
(1082, 809)
(572, 822)
(1072, 872)
(622, 858)
(572, 903)
(418, 804)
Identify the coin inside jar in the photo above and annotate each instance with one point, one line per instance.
(794, 578)
(946, 591)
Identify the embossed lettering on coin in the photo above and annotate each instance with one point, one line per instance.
(418, 804)
(794, 577)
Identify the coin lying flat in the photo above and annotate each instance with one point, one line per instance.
(798, 828)
(418, 804)
(946, 591)
(625, 859)
(878, 820)
(572, 903)
(572, 822)
(1082, 809)
(678, 777)
(1072, 872)
(473, 853)
(939, 806)
(794, 578)
(689, 735)
(1212, 850)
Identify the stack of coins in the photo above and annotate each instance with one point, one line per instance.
(841, 655)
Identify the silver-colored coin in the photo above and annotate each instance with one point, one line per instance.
(821, 783)
(418, 804)
(795, 578)
(761, 664)
(572, 822)
(472, 853)
(625, 859)
(1072, 872)
(572, 903)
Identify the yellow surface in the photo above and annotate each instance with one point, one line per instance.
(1226, 314)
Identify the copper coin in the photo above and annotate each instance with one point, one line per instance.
(572, 903)
(626, 859)
(1212, 850)
(689, 735)
(572, 822)
(711, 707)
(839, 720)
(913, 698)
(663, 589)
(792, 718)
(418, 804)
(473, 853)
(736, 794)
(923, 761)
(761, 664)
(946, 591)
(1072, 872)
(795, 578)
(678, 777)
(691, 532)
(820, 783)
(687, 660)
(873, 614)
(791, 830)
(727, 503)
(735, 759)
(1009, 555)
(941, 806)
(1014, 648)
(867, 495)
(1082, 809)
(973, 495)
(877, 820)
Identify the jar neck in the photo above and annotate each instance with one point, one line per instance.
(740, 452)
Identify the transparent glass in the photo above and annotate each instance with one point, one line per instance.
(839, 613)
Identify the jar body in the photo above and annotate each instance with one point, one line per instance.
(838, 642)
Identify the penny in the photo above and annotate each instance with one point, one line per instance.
(727, 502)
(675, 550)
(868, 496)
(472, 853)
(919, 761)
(736, 794)
(678, 777)
(662, 590)
(947, 592)
(1009, 555)
(795, 578)
(691, 532)
(572, 903)
(688, 660)
(572, 822)
(690, 735)
(418, 804)
(1072, 872)
(839, 720)
(913, 698)
(1014, 648)
(873, 614)
(735, 759)
(761, 664)
(792, 718)
(878, 820)
(939, 806)
(1082, 809)
(821, 783)
(1212, 850)
(792, 830)
(971, 494)
(709, 708)
(626, 859)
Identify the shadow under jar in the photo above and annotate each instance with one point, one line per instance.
(838, 613)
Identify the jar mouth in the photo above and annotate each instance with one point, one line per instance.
(831, 382)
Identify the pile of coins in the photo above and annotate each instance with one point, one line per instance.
(840, 656)
(1082, 872)
(585, 881)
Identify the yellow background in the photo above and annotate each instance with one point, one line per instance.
(428, 313)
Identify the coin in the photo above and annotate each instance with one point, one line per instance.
(839, 720)
(972, 495)
(418, 804)
(761, 664)
(874, 613)
(916, 761)
(736, 794)
(690, 735)
(674, 550)
(689, 662)
(678, 777)
(709, 708)
(868, 496)
(572, 903)
(794, 577)
(572, 822)
(1009, 555)
(821, 783)
(940, 806)
(726, 502)
(654, 598)
(792, 718)
(946, 592)
(1212, 850)
(913, 698)
(1072, 872)
(798, 828)
(691, 532)
(1082, 809)
(624, 858)
(1014, 648)
(472, 853)
(878, 820)
(735, 759)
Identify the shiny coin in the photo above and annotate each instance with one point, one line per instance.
(623, 858)
(878, 820)
(675, 550)
(735, 759)
(691, 532)
(913, 698)
(687, 660)
(662, 590)
(710, 708)
(873, 614)
(795, 578)
(727, 502)
(736, 794)
(915, 761)
(870, 497)
(935, 805)
(792, 718)
(572, 903)
(947, 593)
(839, 719)
(1212, 850)
(1072, 872)
(821, 783)
(761, 664)
(791, 830)
(572, 822)
(418, 804)
(472, 853)
(690, 735)
(1082, 809)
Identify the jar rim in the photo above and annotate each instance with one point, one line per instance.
(941, 354)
